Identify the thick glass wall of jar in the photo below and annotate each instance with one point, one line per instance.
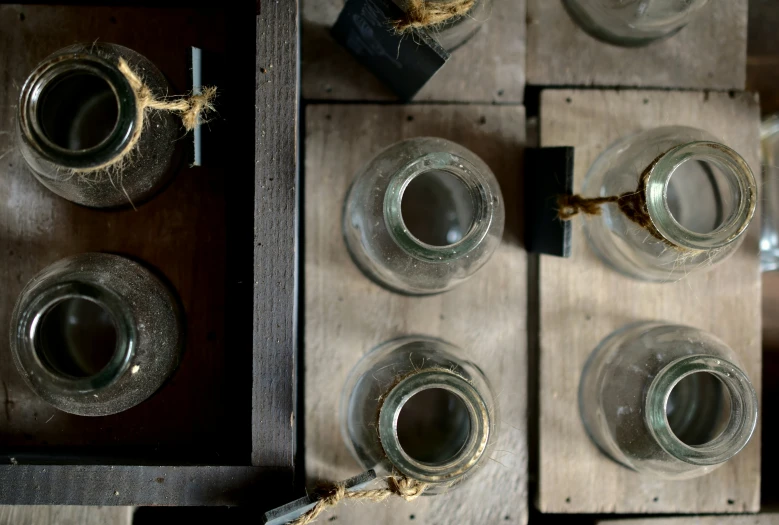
(670, 201)
(423, 216)
(666, 400)
(96, 334)
(633, 23)
(85, 136)
(415, 406)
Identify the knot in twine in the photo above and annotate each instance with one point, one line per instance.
(190, 109)
(427, 13)
(407, 488)
(632, 204)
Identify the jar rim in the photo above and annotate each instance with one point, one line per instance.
(481, 195)
(731, 164)
(743, 413)
(52, 70)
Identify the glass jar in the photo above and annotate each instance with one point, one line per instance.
(684, 201)
(423, 216)
(96, 334)
(633, 23)
(666, 400)
(769, 236)
(457, 30)
(415, 406)
(76, 120)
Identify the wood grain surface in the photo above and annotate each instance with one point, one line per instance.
(275, 235)
(346, 314)
(710, 53)
(759, 519)
(490, 67)
(66, 515)
(583, 301)
(763, 53)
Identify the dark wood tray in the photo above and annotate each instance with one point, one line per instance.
(221, 425)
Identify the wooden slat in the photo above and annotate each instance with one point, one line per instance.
(137, 485)
(763, 53)
(583, 301)
(710, 53)
(488, 68)
(346, 314)
(66, 515)
(275, 234)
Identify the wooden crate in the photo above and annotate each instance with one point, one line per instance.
(346, 314)
(220, 427)
(583, 301)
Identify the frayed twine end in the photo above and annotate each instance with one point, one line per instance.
(421, 13)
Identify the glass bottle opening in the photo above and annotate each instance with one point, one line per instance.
(437, 208)
(433, 426)
(698, 409)
(701, 195)
(76, 337)
(78, 110)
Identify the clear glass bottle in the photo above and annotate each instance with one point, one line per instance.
(78, 112)
(96, 334)
(666, 400)
(456, 31)
(685, 201)
(769, 236)
(423, 216)
(415, 406)
(633, 23)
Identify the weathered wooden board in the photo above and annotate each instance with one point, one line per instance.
(66, 515)
(710, 53)
(346, 314)
(583, 301)
(275, 234)
(759, 519)
(763, 53)
(488, 68)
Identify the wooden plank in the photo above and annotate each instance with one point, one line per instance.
(66, 515)
(583, 301)
(760, 519)
(275, 235)
(488, 68)
(188, 232)
(560, 53)
(346, 314)
(143, 485)
(763, 53)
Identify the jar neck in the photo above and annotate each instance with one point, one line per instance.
(37, 357)
(738, 177)
(450, 470)
(739, 427)
(37, 89)
(482, 200)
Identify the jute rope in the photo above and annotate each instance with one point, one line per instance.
(406, 488)
(190, 109)
(424, 13)
(632, 204)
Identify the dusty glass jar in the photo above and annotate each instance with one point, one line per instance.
(96, 334)
(666, 400)
(456, 31)
(415, 406)
(78, 112)
(423, 216)
(769, 235)
(633, 23)
(685, 201)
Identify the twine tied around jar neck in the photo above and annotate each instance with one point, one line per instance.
(632, 204)
(189, 108)
(330, 496)
(426, 13)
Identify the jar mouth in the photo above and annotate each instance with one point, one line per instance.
(483, 203)
(740, 424)
(36, 120)
(452, 467)
(736, 175)
(52, 356)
